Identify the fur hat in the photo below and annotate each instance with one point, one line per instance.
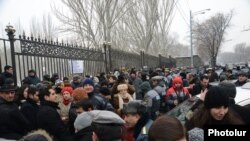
(216, 97)
(85, 119)
(122, 87)
(242, 73)
(37, 135)
(67, 89)
(134, 107)
(196, 134)
(88, 81)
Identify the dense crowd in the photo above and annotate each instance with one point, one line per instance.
(127, 105)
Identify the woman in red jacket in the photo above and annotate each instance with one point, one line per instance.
(177, 93)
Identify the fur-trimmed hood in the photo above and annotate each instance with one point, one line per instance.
(37, 135)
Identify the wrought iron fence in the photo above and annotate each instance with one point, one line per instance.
(49, 57)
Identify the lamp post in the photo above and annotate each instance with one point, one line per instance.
(10, 32)
(191, 32)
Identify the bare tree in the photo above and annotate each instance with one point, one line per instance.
(240, 52)
(44, 28)
(210, 34)
(161, 41)
(130, 25)
(92, 21)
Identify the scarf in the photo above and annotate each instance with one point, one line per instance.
(121, 97)
(66, 102)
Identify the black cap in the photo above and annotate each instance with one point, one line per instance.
(215, 98)
(134, 107)
(7, 88)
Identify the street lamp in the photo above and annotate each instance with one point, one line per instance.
(191, 34)
(10, 32)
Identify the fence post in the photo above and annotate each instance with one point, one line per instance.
(105, 56)
(10, 32)
(160, 61)
(141, 54)
(110, 60)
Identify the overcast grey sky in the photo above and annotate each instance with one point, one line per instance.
(240, 20)
(12, 11)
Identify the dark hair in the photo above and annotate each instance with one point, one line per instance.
(204, 77)
(7, 67)
(113, 77)
(107, 132)
(166, 124)
(44, 91)
(20, 93)
(32, 90)
(229, 71)
(85, 104)
(46, 77)
(104, 82)
(65, 78)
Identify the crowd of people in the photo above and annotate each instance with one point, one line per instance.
(127, 105)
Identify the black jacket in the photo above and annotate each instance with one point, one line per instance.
(197, 89)
(4, 76)
(29, 109)
(49, 119)
(243, 112)
(13, 125)
(84, 134)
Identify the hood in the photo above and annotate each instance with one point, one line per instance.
(145, 87)
(177, 79)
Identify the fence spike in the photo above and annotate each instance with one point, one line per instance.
(24, 37)
(39, 38)
(31, 36)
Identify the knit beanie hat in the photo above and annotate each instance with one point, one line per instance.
(67, 89)
(145, 87)
(196, 134)
(88, 81)
(79, 94)
(216, 97)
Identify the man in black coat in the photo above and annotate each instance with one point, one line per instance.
(13, 125)
(8, 73)
(48, 118)
(204, 84)
(30, 107)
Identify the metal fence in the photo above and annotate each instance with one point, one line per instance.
(49, 57)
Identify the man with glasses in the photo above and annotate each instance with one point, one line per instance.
(13, 125)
